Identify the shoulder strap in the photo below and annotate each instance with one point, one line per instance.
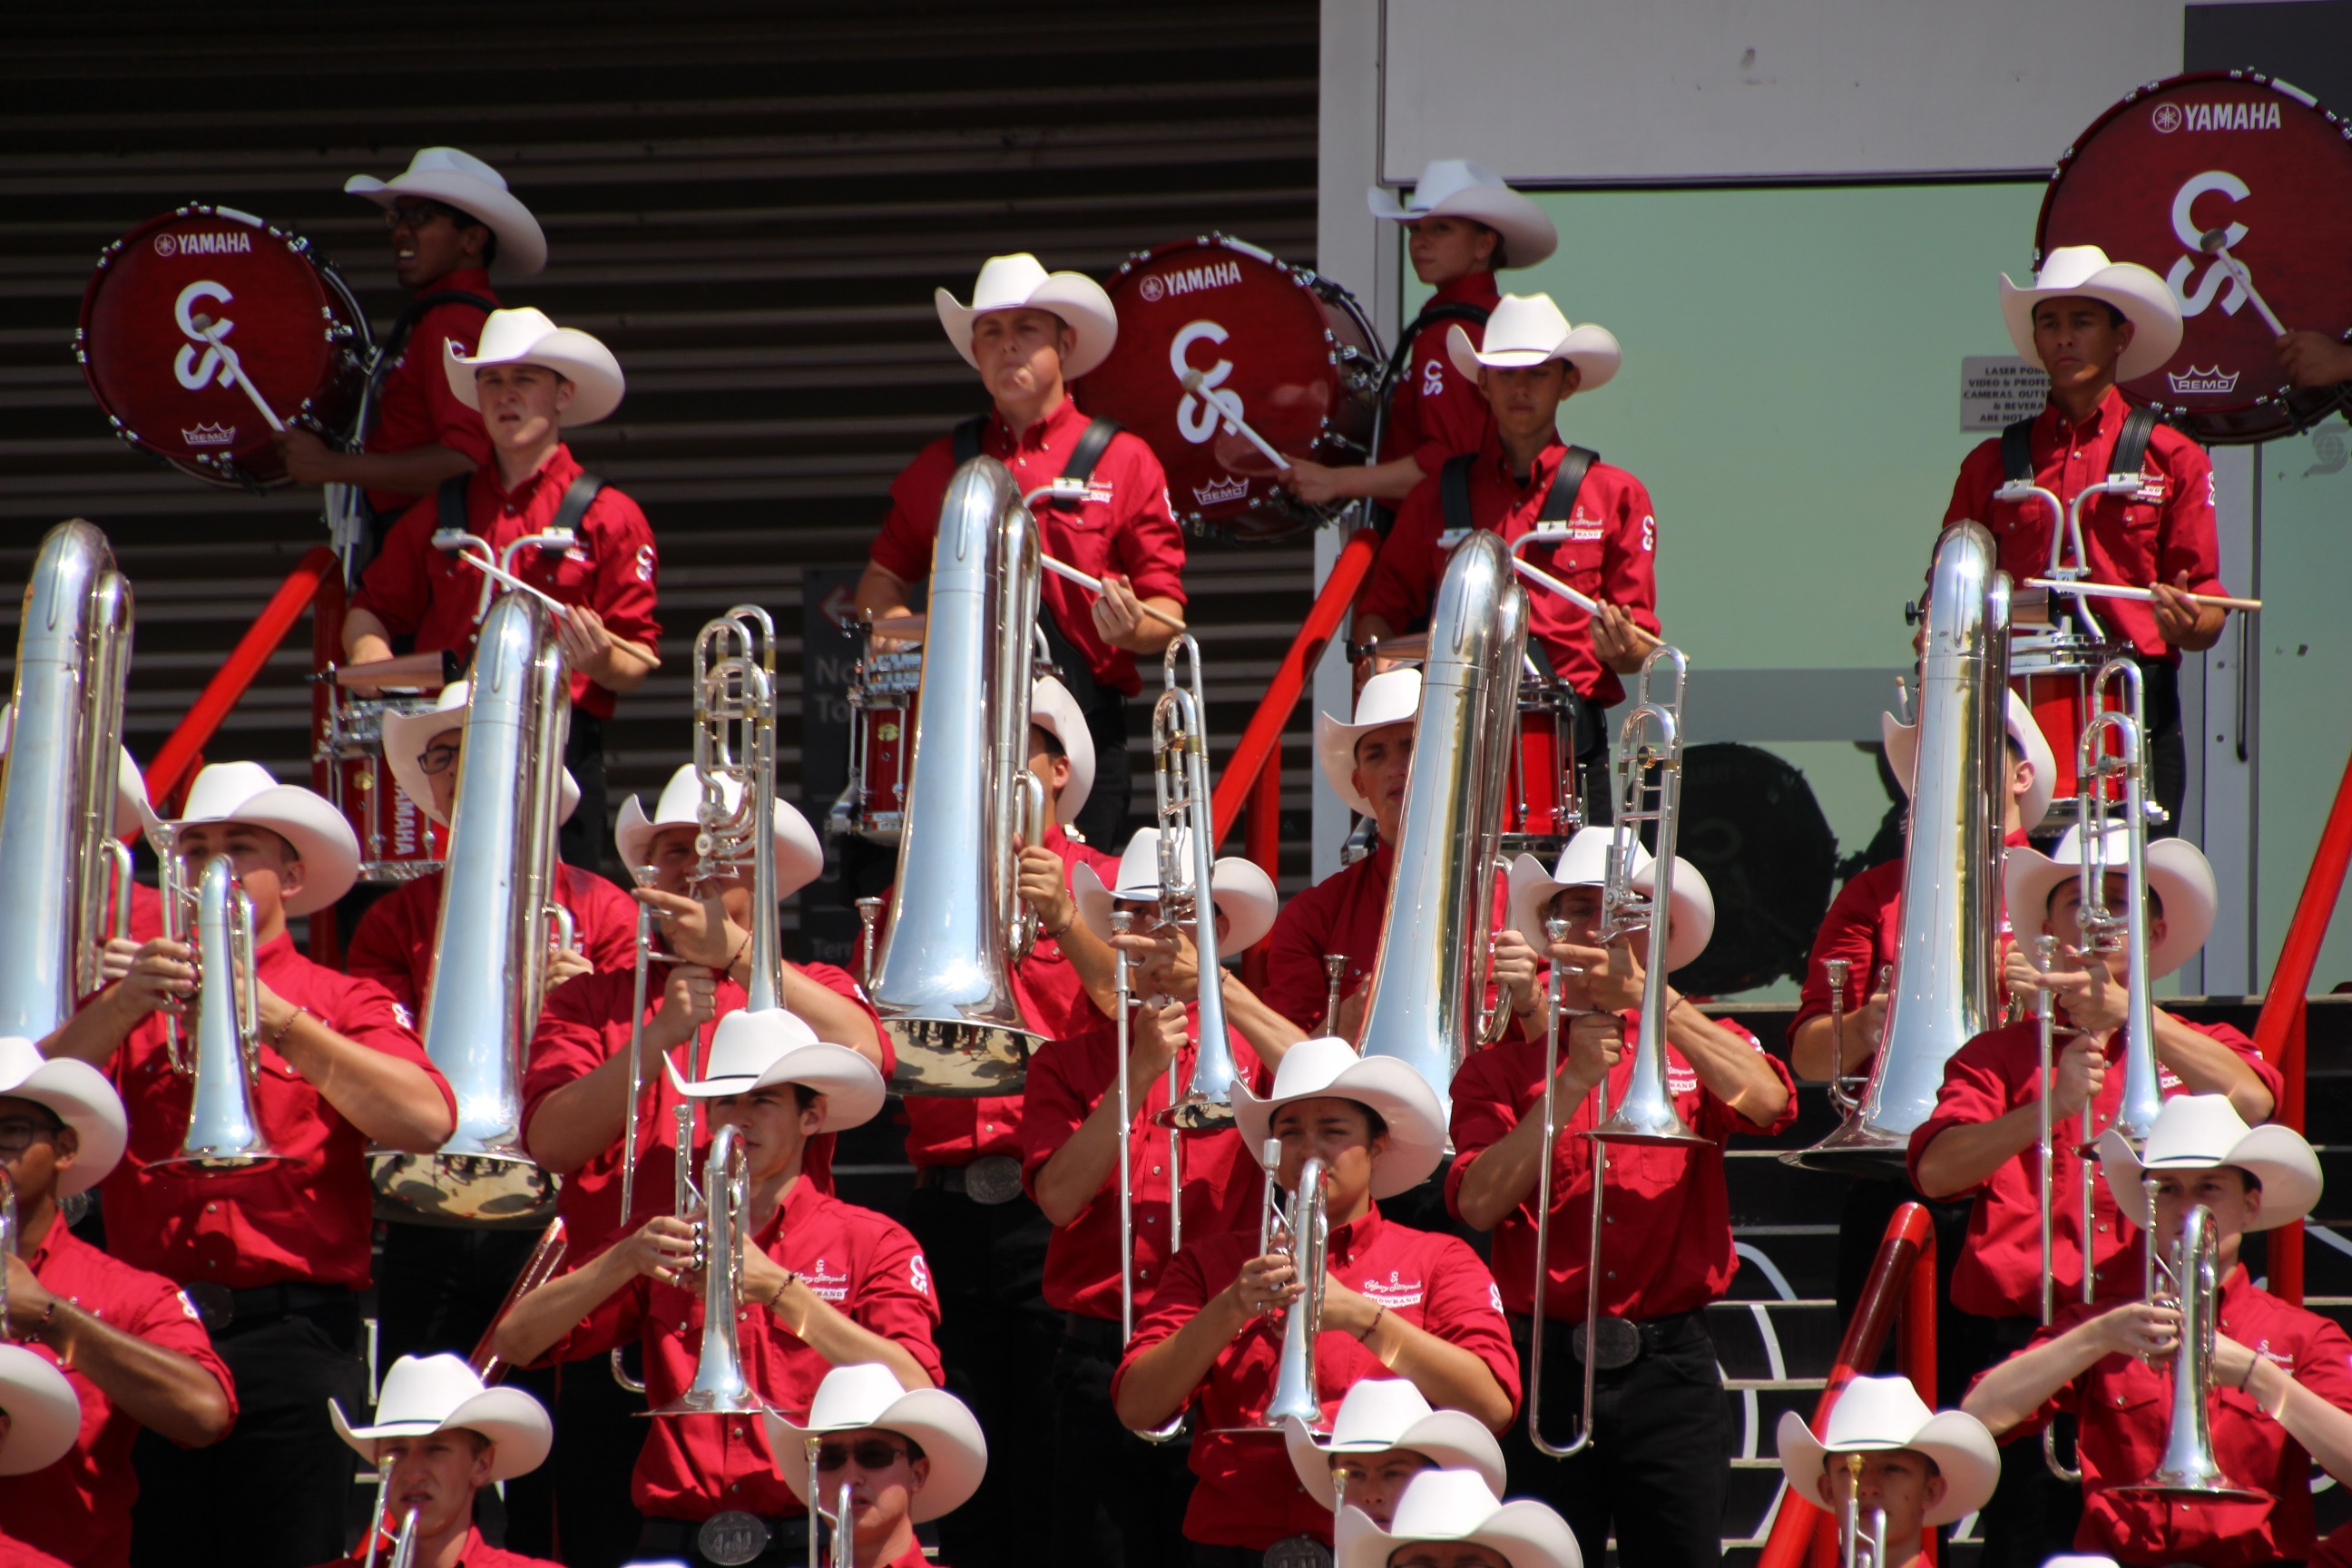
(395, 342)
(1559, 504)
(2017, 450)
(1091, 449)
(451, 500)
(1451, 310)
(2131, 442)
(577, 497)
(965, 439)
(1453, 490)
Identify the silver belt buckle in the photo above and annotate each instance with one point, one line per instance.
(992, 1179)
(1298, 1552)
(1616, 1342)
(732, 1538)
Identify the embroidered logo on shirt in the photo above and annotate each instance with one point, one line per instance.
(2151, 486)
(1649, 533)
(1495, 1297)
(1393, 1291)
(920, 1271)
(645, 563)
(400, 1012)
(1681, 1080)
(188, 1307)
(829, 1286)
(1432, 378)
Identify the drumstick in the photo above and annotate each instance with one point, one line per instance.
(419, 669)
(500, 575)
(2216, 242)
(1093, 585)
(1193, 384)
(207, 330)
(1538, 575)
(2111, 591)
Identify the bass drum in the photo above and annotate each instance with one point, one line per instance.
(1285, 352)
(282, 316)
(2259, 158)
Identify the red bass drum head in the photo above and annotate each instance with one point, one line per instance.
(2220, 149)
(1286, 348)
(287, 318)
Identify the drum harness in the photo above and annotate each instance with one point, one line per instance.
(360, 533)
(2131, 448)
(1383, 518)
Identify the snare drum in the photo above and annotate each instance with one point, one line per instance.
(882, 689)
(398, 842)
(1542, 803)
(282, 317)
(1288, 352)
(2053, 668)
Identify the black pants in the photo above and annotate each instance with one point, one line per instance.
(1661, 1452)
(575, 1509)
(1962, 1340)
(277, 1492)
(2032, 1514)
(996, 1337)
(1115, 1501)
(1595, 780)
(1104, 819)
(2168, 747)
(586, 839)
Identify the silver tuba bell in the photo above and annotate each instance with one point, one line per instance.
(224, 1127)
(943, 983)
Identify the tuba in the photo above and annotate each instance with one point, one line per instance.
(943, 983)
(1421, 1007)
(73, 649)
(1945, 989)
(720, 1387)
(490, 942)
(2188, 1469)
(224, 1127)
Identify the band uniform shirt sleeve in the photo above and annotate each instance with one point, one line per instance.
(1403, 576)
(416, 406)
(395, 587)
(309, 1215)
(80, 1505)
(1436, 411)
(604, 917)
(1861, 927)
(393, 944)
(1342, 914)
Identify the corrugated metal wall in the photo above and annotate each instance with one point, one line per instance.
(749, 203)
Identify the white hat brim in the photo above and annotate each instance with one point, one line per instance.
(2145, 300)
(597, 384)
(1078, 299)
(1593, 351)
(508, 1417)
(44, 1412)
(1239, 887)
(1902, 744)
(1964, 1452)
(405, 735)
(1052, 709)
(522, 244)
(851, 1086)
(322, 840)
(2278, 1156)
(1527, 1533)
(1529, 237)
(950, 1436)
(1335, 740)
(1416, 1122)
(82, 1097)
(1688, 930)
(1453, 1439)
(800, 854)
(2178, 874)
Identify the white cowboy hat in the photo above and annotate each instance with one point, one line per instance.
(1458, 1505)
(132, 813)
(527, 337)
(462, 181)
(44, 1413)
(2198, 1132)
(323, 839)
(1902, 742)
(405, 736)
(2083, 272)
(800, 857)
(750, 1051)
(423, 1395)
(1384, 1413)
(1237, 886)
(1526, 329)
(1391, 697)
(1021, 282)
(1052, 709)
(1874, 1414)
(82, 1099)
(1314, 1068)
(1455, 187)
(2178, 874)
(862, 1397)
(1584, 863)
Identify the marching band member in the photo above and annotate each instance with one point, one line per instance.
(1029, 333)
(39, 1419)
(451, 219)
(1453, 1518)
(444, 1437)
(1981, 1141)
(124, 1338)
(273, 1255)
(2282, 1376)
(1384, 1435)
(825, 1283)
(2092, 323)
(1463, 224)
(1400, 1303)
(1120, 1501)
(1920, 1467)
(908, 1455)
(530, 382)
(1660, 1433)
(1525, 475)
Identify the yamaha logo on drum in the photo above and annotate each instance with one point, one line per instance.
(215, 242)
(2167, 118)
(1191, 280)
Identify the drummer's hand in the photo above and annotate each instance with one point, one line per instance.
(1613, 976)
(1317, 484)
(308, 459)
(114, 961)
(1045, 888)
(1117, 612)
(162, 977)
(696, 930)
(588, 643)
(689, 1000)
(1264, 1285)
(2182, 620)
(1515, 969)
(880, 644)
(1618, 642)
(566, 963)
(2315, 359)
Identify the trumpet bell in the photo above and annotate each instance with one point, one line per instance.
(225, 1131)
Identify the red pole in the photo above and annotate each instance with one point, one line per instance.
(1915, 1342)
(1264, 841)
(326, 945)
(172, 764)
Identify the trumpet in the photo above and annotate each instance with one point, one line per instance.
(1862, 1532)
(646, 956)
(845, 1533)
(735, 752)
(1122, 921)
(720, 1387)
(1188, 846)
(1305, 1233)
(2045, 949)
(404, 1546)
(2188, 1467)
(2106, 928)
(225, 1129)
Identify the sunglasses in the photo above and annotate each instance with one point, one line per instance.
(870, 1454)
(19, 1133)
(420, 214)
(436, 760)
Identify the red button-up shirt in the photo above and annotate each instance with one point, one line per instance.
(16, 1553)
(416, 406)
(1125, 527)
(2335, 1552)
(858, 1262)
(583, 1024)
(393, 944)
(308, 1215)
(2134, 540)
(1222, 1182)
(2126, 1411)
(1999, 1272)
(1343, 914)
(1610, 555)
(429, 595)
(1051, 996)
(79, 1507)
(475, 1553)
(1668, 1246)
(1246, 1495)
(1435, 410)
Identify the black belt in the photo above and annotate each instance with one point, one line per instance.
(219, 1307)
(1093, 1333)
(992, 1179)
(787, 1539)
(1671, 1331)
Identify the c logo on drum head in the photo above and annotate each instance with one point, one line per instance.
(1195, 421)
(195, 373)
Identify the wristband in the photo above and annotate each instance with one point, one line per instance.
(278, 1038)
(1379, 1310)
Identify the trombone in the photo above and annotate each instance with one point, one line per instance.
(1188, 846)
(720, 1387)
(2188, 1469)
(2106, 928)
(735, 748)
(1122, 981)
(225, 1131)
